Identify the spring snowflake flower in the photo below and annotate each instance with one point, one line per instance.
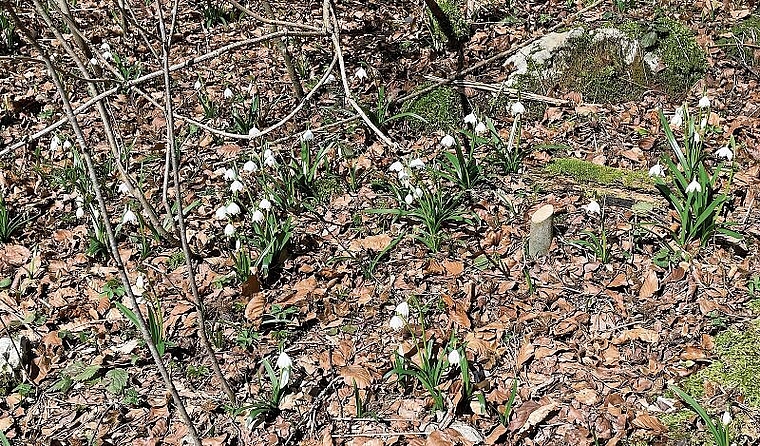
(396, 167)
(55, 143)
(265, 204)
(694, 186)
(236, 186)
(409, 199)
(230, 175)
(416, 163)
(448, 141)
(417, 192)
(257, 216)
(94, 62)
(221, 213)
(105, 46)
(704, 102)
(228, 93)
(232, 208)
(80, 212)
(250, 166)
(129, 217)
(254, 132)
(517, 108)
(308, 135)
(471, 119)
(139, 289)
(480, 128)
(726, 153)
(229, 230)
(656, 171)
(697, 138)
(361, 74)
(197, 84)
(330, 79)
(402, 310)
(397, 323)
(593, 207)
(66, 145)
(123, 188)
(107, 56)
(269, 159)
(454, 357)
(677, 119)
(726, 418)
(284, 363)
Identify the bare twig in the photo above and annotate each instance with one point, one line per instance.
(498, 88)
(267, 21)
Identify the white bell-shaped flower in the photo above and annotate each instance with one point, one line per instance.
(517, 108)
(221, 213)
(593, 207)
(129, 217)
(656, 171)
(402, 309)
(453, 357)
(257, 216)
(228, 93)
(250, 166)
(236, 186)
(361, 74)
(232, 208)
(397, 323)
(471, 119)
(308, 135)
(229, 230)
(725, 152)
(416, 163)
(480, 128)
(265, 204)
(694, 186)
(448, 141)
(704, 102)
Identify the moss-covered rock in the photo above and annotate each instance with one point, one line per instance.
(585, 171)
(453, 26)
(442, 108)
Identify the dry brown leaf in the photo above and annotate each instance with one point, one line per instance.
(525, 353)
(619, 280)
(229, 150)
(356, 374)
(587, 396)
(255, 308)
(650, 285)
(538, 415)
(438, 438)
(15, 255)
(376, 243)
(496, 435)
(453, 267)
(645, 421)
(692, 353)
(304, 288)
(642, 334)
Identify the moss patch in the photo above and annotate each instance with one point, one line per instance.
(678, 424)
(455, 27)
(745, 33)
(585, 171)
(442, 108)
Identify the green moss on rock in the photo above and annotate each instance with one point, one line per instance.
(460, 27)
(442, 108)
(585, 171)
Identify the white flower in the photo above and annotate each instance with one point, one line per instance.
(517, 108)
(448, 141)
(254, 132)
(139, 289)
(417, 192)
(726, 153)
(409, 199)
(330, 79)
(656, 171)
(107, 55)
(55, 143)
(129, 217)
(249, 166)
(397, 323)
(402, 310)
(703, 123)
(221, 213)
(229, 230)
(677, 119)
(454, 357)
(257, 216)
(697, 138)
(105, 46)
(270, 161)
(593, 207)
(123, 188)
(361, 73)
(402, 174)
(694, 186)
(416, 163)
(268, 153)
(471, 119)
(232, 208)
(227, 93)
(80, 212)
(197, 84)
(66, 145)
(704, 102)
(236, 186)
(726, 419)
(308, 135)
(94, 62)
(265, 204)
(284, 361)
(396, 167)
(480, 128)
(230, 175)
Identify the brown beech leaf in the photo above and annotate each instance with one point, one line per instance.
(229, 150)
(525, 353)
(374, 242)
(619, 280)
(255, 308)
(453, 267)
(537, 416)
(650, 285)
(356, 374)
(646, 421)
(496, 435)
(642, 334)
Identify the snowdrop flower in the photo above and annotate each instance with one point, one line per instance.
(230, 175)
(694, 186)
(66, 145)
(265, 204)
(254, 132)
(105, 46)
(726, 419)
(417, 192)
(227, 93)
(229, 230)
(284, 363)
(232, 208)
(656, 171)
(221, 213)
(677, 119)
(129, 217)
(416, 163)
(396, 167)
(471, 119)
(197, 84)
(517, 108)
(123, 188)
(480, 128)
(593, 207)
(139, 289)
(308, 135)
(249, 166)
(448, 141)
(55, 143)
(454, 357)
(409, 199)
(397, 323)
(402, 310)
(726, 153)
(236, 186)
(361, 74)
(257, 216)
(697, 138)
(80, 212)
(704, 102)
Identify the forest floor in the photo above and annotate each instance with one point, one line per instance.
(592, 345)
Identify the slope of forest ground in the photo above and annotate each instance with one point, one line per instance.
(332, 230)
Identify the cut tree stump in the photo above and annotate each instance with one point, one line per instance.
(541, 231)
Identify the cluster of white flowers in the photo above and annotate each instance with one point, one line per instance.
(55, 143)
(400, 316)
(269, 159)
(80, 206)
(264, 205)
(677, 120)
(404, 173)
(472, 120)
